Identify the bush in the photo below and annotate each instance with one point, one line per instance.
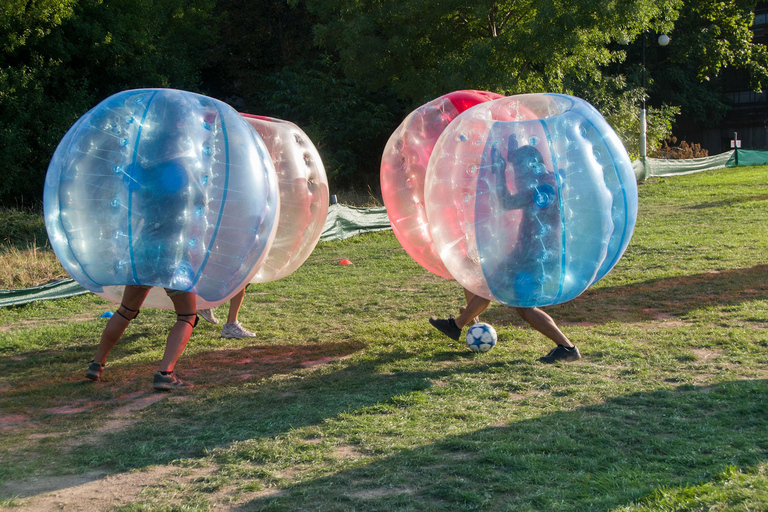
(684, 150)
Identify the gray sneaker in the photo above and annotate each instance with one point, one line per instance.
(561, 353)
(94, 371)
(207, 315)
(447, 327)
(235, 330)
(170, 382)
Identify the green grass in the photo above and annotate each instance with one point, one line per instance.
(348, 400)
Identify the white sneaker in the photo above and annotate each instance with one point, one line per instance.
(207, 315)
(235, 330)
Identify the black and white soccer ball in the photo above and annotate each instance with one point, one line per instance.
(481, 337)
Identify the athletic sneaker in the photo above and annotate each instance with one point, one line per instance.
(561, 353)
(235, 330)
(447, 327)
(207, 315)
(170, 382)
(94, 371)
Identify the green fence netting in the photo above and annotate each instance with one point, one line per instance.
(342, 222)
(658, 167)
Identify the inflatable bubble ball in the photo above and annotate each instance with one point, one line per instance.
(164, 188)
(303, 189)
(530, 199)
(404, 167)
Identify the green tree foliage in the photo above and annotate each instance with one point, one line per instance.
(59, 58)
(348, 71)
(422, 49)
(268, 65)
(709, 36)
(26, 109)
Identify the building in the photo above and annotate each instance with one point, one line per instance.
(748, 117)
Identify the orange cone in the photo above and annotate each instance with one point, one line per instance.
(345, 261)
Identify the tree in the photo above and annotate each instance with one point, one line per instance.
(422, 49)
(59, 58)
(268, 64)
(709, 36)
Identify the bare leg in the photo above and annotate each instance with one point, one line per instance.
(234, 306)
(181, 330)
(468, 295)
(544, 323)
(133, 298)
(475, 306)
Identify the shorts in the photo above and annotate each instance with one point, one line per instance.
(168, 291)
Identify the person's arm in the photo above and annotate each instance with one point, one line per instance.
(508, 200)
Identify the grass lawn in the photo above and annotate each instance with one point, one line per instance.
(349, 400)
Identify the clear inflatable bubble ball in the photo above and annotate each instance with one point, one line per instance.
(163, 188)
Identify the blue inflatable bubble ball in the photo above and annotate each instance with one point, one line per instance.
(165, 188)
(481, 337)
(530, 199)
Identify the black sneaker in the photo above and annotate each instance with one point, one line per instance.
(561, 353)
(447, 327)
(170, 382)
(94, 371)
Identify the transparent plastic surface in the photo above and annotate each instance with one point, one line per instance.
(165, 188)
(530, 199)
(303, 188)
(404, 167)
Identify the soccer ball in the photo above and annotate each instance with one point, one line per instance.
(481, 337)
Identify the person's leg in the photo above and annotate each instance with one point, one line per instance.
(452, 327)
(184, 304)
(165, 378)
(233, 328)
(542, 322)
(133, 298)
(234, 306)
(468, 295)
(476, 305)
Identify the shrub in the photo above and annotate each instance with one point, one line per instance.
(683, 150)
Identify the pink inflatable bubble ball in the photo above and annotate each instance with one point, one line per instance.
(404, 166)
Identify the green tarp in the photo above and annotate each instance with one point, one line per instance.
(346, 221)
(56, 290)
(342, 222)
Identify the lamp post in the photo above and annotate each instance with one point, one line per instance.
(663, 41)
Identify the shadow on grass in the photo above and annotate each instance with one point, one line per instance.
(657, 299)
(596, 457)
(728, 202)
(592, 458)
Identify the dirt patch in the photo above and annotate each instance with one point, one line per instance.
(39, 322)
(318, 362)
(71, 408)
(381, 492)
(96, 490)
(347, 452)
(13, 419)
(703, 354)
